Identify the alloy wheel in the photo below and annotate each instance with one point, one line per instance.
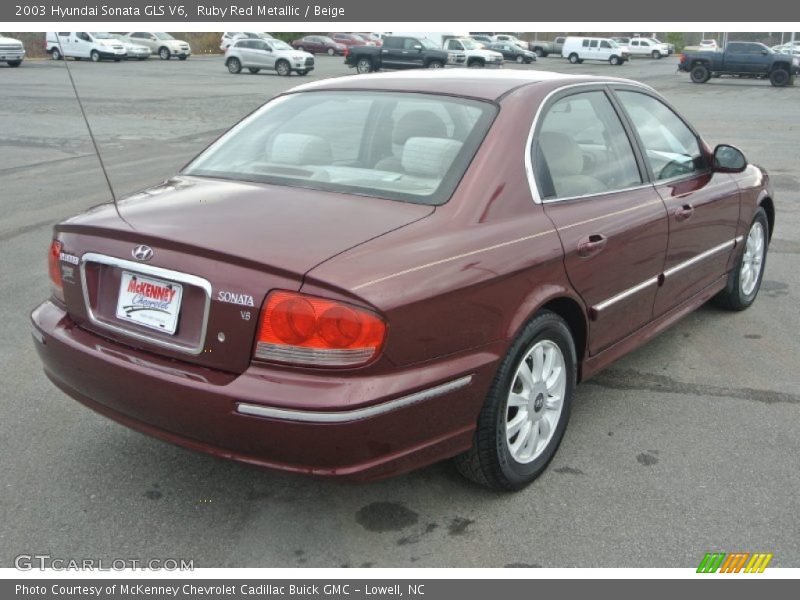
(753, 259)
(535, 401)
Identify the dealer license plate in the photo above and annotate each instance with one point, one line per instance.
(149, 302)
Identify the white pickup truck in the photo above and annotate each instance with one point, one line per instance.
(11, 51)
(477, 55)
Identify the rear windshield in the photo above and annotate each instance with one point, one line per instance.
(393, 145)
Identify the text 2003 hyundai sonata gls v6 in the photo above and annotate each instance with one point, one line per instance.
(368, 275)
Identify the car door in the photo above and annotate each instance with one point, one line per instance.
(262, 54)
(392, 52)
(594, 50)
(757, 58)
(612, 223)
(703, 206)
(736, 58)
(83, 45)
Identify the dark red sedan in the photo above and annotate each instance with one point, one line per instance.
(319, 44)
(349, 39)
(372, 274)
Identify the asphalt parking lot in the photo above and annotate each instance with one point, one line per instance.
(688, 445)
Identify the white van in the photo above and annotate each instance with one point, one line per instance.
(579, 49)
(83, 44)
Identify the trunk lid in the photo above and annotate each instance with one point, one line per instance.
(217, 248)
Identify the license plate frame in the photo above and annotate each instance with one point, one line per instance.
(149, 302)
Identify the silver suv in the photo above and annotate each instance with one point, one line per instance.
(274, 55)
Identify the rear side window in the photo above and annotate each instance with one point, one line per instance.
(671, 148)
(398, 146)
(593, 44)
(582, 149)
(585, 43)
(393, 43)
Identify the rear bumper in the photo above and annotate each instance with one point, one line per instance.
(352, 427)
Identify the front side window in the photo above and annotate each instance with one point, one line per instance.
(398, 146)
(671, 148)
(593, 44)
(582, 149)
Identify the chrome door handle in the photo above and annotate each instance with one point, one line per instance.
(591, 245)
(684, 213)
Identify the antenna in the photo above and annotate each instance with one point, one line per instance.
(88, 126)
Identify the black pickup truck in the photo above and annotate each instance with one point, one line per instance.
(401, 52)
(740, 59)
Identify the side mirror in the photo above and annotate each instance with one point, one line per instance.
(764, 52)
(729, 159)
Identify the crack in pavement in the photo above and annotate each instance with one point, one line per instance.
(629, 379)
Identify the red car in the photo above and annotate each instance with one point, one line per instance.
(371, 37)
(319, 44)
(349, 39)
(372, 274)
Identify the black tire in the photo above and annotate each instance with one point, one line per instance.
(614, 60)
(476, 63)
(95, 56)
(55, 54)
(700, 74)
(164, 53)
(539, 52)
(489, 462)
(283, 68)
(574, 58)
(435, 64)
(519, 59)
(234, 66)
(364, 65)
(253, 70)
(779, 77)
(733, 297)
(656, 54)
(14, 63)
(331, 51)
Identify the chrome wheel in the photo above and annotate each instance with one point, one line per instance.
(535, 401)
(752, 260)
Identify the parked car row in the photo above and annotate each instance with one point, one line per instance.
(12, 52)
(100, 45)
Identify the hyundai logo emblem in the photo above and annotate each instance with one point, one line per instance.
(142, 252)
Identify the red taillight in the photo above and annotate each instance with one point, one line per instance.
(682, 58)
(306, 330)
(54, 267)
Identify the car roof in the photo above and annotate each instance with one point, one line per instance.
(472, 83)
